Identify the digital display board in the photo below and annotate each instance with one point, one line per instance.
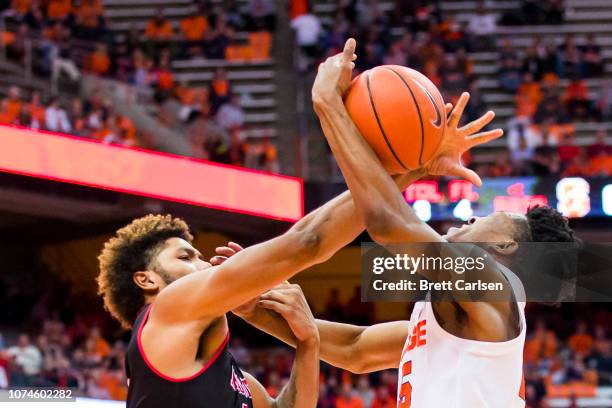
(151, 174)
(575, 197)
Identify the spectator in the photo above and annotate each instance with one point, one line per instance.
(383, 399)
(37, 111)
(220, 90)
(370, 59)
(93, 389)
(90, 20)
(604, 100)
(220, 38)
(550, 109)
(59, 10)
(4, 370)
(13, 104)
(164, 78)
(35, 19)
(159, 32)
(77, 118)
(581, 342)
(522, 155)
(365, 391)
(326, 398)
(20, 7)
(476, 106)
(568, 150)
(208, 140)
(600, 147)
(230, 115)
(102, 347)
(262, 13)
(453, 36)
(591, 53)
(528, 96)
(347, 398)
(397, 55)
(502, 166)
(361, 313)
(260, 153)
(542, 343)
(61, 56)
(235, 18)
(56, 119)
(601, 357)
(532, 63)
(550, 63)
(188, 98)
(193, 30)
(334, 309)
(307, 30)
(571, 61)
(100, 60)
(509, 75)
(546, 156)
(577, 101)
(482, 26)
(28, 358)
(4, 115)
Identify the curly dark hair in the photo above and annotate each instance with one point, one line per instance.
(133, 248)
(544, 224)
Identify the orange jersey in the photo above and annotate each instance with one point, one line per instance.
(194, 28)
(58, 9)
(159, 32)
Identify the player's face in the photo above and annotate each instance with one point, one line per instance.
(495, 227)
(179, 258)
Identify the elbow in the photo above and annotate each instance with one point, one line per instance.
(356, 363)
(306, 243)
(381, 224)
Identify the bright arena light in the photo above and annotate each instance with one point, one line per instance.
(606, 199)
(422, 208)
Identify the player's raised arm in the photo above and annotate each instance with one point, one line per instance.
(316, 237)
(378, 202)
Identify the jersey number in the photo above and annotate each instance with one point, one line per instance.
(405, 394)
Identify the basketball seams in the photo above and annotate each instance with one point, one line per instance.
(417, 108)
(380, 126)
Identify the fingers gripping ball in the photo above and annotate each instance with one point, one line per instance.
(401, 114)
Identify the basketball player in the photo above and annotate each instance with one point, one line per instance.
(452, 353)
(154, 282)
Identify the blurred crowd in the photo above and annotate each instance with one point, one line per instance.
(92, 118)
(70, 38)
(549, 83)
(564, 356)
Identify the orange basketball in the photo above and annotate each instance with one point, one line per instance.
(401, 114)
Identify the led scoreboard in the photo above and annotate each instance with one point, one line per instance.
(460, 199)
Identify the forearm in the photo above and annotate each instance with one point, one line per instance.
(338, 222)
(302, 390)
(375, 195)
(336, 339)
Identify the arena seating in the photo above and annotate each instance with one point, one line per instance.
(581, 18)
(252, 80)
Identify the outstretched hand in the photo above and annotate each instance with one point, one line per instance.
(335, 74)
(456, 141)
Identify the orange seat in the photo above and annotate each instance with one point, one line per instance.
(260, 42)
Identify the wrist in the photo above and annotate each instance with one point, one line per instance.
(311, 341)
(326, 100)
